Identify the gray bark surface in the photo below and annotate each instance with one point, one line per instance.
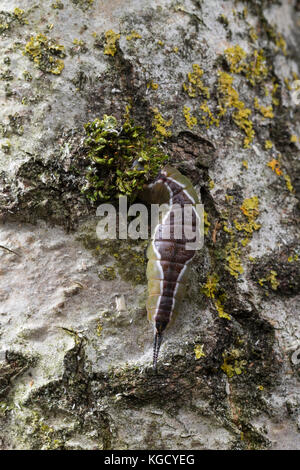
(75, 344)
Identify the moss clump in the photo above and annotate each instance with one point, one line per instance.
(121, 158)
(111, 38)
(194, 85)
(46, 54)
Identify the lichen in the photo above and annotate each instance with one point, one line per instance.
(110, 46)
(229, 98)
(265, 111)
(46, 54)
(251, 212)
(233, 363)
(133, 35)
(271, 278)
(194, 85)
(191, 121)
(198, 350)
(234, 265)
(121, 158)
(83, 4)
(252, 66)
(160, 124)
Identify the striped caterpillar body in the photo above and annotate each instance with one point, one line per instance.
(168, 256)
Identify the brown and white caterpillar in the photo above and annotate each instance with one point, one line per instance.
(169, 253)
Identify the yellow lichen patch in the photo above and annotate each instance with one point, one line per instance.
(233, 363)
(253, 34)
(207, 223)
(194, 86)
(211, 184)
(288, 183)
(111, 38)
(271, 278)
(250, 207)
(208, 118)
(275, 100)
(198, 350)
(265, 111)
(253, 67)
(191, 121)
(250, 210)
(280, 43)
(257, 69)
(133, 35)
(234, 265)
(45, 52)
(240, 118)
(161, 125)
(152, 85)
(99, 329)
(245, 164)
(294, 139)
(275, 166)
(268, 144)
(220, 309)
(20, 15)
(235, 57)
(230, 99)
(226, 228)
(210, 288)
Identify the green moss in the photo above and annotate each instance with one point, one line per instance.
(114, 150)
(46, 54)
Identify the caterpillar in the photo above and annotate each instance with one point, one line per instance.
(168, 254)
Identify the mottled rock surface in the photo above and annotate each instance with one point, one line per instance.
(75, 345)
